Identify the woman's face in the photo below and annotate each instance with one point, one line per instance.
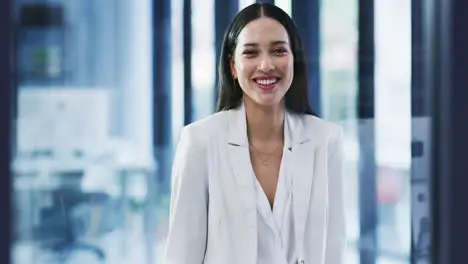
(263, 62)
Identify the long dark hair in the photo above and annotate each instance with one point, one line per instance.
(230, 94)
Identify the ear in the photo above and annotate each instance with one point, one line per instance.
(232, 65)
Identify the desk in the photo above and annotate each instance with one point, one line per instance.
(46, 176)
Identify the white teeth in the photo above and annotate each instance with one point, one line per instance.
(266, 82)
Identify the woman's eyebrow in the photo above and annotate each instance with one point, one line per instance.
(273, 43)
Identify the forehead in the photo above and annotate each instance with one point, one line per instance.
(262, 30)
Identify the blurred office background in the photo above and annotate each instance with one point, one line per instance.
(104, 87)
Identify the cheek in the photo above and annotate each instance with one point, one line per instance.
(288, 70)
(291, 66)
(245, 69)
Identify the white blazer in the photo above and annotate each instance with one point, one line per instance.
(213, 217)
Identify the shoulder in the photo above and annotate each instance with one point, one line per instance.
(322, 130)
(326, 136)
(202, 131)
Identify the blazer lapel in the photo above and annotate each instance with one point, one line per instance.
(305, 189)
(239, 158)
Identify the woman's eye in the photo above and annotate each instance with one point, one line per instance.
(280, 51)
(249, 52)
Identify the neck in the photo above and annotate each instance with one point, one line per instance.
(264, 123)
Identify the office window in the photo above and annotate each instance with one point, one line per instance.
(393, 124)
(203, 58)
(338, 65)
(244, 3)
(177, 78)
(285, 5)
(392, 117)
(84, 133)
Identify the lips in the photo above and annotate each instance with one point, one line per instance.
(267, 83)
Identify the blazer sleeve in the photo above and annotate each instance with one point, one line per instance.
(336, 233)
(186, 240)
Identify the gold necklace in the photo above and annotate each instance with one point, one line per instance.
(265, 161)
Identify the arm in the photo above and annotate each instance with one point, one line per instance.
(186, 240)
(336, 233)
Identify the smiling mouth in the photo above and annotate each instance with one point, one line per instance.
(267, 83)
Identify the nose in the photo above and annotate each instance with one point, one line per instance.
(266, 64)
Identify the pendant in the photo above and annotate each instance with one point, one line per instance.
(264, 163)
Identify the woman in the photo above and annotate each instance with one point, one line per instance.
(259, 182)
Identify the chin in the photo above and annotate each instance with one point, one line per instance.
(265, 101)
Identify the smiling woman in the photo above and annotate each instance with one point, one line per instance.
(266, 38)
(261, 180)
(262, 64)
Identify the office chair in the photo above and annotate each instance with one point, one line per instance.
(64, 223)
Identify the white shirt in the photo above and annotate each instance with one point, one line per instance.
(276, 228)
